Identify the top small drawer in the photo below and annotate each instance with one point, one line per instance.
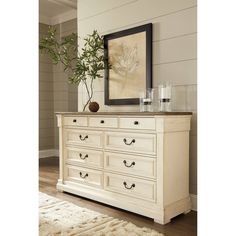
(147, 123)
(75, 121)
(108, 122)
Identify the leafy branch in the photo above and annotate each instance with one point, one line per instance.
(88, 63)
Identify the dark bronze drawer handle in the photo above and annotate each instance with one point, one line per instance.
(132, 186)
(136, 122)
(74, 120)
(125, 141)
(82, 139)
(102, 121)
(81, 175)
(125, 163)
(83, 158)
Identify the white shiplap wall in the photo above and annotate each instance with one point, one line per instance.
(174, 50)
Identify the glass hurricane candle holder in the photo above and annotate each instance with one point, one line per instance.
(164, 97)
(146, 100)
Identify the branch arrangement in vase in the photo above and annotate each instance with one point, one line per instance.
(83, 65)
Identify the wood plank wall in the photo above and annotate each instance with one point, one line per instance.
(55, 94)
(174, 50)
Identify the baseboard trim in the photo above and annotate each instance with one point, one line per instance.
(193, 198)
(48, 153)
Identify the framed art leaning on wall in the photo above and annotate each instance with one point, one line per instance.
(129, 52)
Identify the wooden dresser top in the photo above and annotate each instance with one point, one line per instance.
(124, 113)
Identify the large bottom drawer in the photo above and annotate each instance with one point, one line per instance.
(84, 175)
(134, 187)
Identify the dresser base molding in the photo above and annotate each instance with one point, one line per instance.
(174, 209)
(151, 210)
(60, 185)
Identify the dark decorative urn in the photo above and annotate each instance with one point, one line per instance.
(93, 106)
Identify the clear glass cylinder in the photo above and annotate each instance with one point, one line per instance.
(146, 100)
(164, 97)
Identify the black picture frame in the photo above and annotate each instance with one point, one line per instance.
(147, 28)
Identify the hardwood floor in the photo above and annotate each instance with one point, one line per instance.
(182, 225)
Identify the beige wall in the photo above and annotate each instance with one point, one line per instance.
(46, 118)
(174, 50)
(55, 94)
(65, 94)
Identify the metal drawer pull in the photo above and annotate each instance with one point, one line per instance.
(74, 120)
(82, 139)
(81, 175)
(136, 122)
(102, 121)
(132, 186)
(83, 158)
(125, 141)
(125, 163)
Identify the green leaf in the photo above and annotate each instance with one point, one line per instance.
(88, 64)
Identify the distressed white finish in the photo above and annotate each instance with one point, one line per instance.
(144, 189)
(144, 166)
(107, 122)
(73, 121)
(137, 123)
(84, 157)
(149, 176)
(144, 143)
(78, 137)
(77, 174)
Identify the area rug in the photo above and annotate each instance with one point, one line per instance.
(62, 218)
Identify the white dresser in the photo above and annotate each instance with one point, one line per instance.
(135, 161)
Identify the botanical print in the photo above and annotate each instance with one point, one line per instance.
(127, 55)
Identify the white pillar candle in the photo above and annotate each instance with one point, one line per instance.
(163, 92)
(166, 92)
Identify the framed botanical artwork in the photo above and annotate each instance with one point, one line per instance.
(129, 54)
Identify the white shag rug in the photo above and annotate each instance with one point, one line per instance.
(62, 218)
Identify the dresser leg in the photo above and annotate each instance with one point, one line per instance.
(60, 190)
(162, 220)
(186, 212)
(59, 186)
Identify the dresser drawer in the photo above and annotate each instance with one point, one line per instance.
(133, 142)
(84, 157)
(106, 122)
(83, 138)
(75, 121)
(138, 123)
(136, 188)
(84, 175)
(130, 164)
